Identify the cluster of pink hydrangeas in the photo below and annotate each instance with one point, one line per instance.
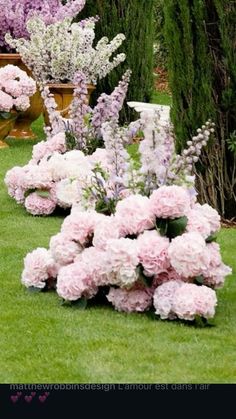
(176, 299)
(52, 178)
(139, 266)
(16, 88)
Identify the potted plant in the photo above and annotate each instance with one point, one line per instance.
(55, 52)
(16, 88)
(13, 20)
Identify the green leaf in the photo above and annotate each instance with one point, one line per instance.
(27, 193)
(201, 321)
(142, 277)
(211, 238)
(42, 193)
(162, 226)
(34, 289)
(176, 227)
(6, 115)
(80, 304)
(199, 280)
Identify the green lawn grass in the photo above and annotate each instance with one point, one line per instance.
(41, 341)
(161, 98)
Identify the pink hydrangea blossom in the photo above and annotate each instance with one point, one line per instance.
(170, 202)
(198, 223)
(22, 103)
(191, 300)
(68, 192)
(6, 102)
(169, 275)
(38, 205)
(96, 262)
(63, 250)
(152, 252)
(80, 226)
(122, 261)
(46, 148)
(211, 215)
(129, 300)
(36, 177)
(107, 229)
(163, 299)
(216, 271)
(134, 215)
(38, 267)
(187, 254)
(13, 181)
(74, 282)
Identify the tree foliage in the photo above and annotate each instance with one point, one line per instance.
(201, 39)
(134, 18)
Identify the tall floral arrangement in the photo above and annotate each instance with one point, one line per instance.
(63, 169)
(15, 14)
(55, 52)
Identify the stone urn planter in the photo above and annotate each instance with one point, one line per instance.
(22, 127)
(63, 95)
(6, 125)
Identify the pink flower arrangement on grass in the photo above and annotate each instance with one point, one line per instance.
(176, 275)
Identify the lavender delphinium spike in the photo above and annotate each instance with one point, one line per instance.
(117, 157)
(79, 109)
(109, 106)
(56, 121)
(183, 165)
(155, 149)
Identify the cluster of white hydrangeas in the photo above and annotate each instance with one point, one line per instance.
(56, 52)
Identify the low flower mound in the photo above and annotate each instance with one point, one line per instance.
(136, 264)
